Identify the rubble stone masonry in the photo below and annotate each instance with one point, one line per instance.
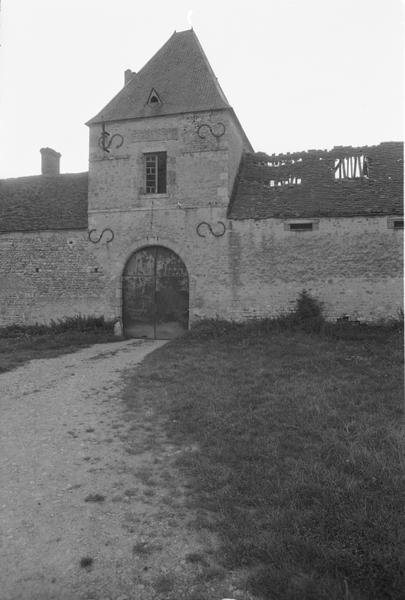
(242, 261)
(258, 266)
(48, 275)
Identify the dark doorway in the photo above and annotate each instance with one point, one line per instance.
(155, 294)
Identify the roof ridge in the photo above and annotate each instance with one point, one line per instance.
(41, 176)
(210, 69)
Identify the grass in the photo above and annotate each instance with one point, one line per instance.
(94, 498)
(142, 548)
(164, 583)
(20, 344)
(86, 562)
(299, 466)
(196, 558)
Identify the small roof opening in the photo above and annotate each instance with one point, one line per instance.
(154, 97)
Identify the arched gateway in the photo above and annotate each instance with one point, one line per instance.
(155, 294)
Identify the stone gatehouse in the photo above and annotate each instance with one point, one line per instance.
(179, 219)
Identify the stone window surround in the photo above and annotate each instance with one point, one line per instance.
(392, 220)
(160, 167)
(298, 222)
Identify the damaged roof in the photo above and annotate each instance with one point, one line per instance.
(308, 187)
(182, 78)
(42, 202)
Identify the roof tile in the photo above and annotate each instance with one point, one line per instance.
(181, 75)
(40, 202)
(319, 194)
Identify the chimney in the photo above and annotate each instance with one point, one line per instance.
(128, 75)
(50, 162)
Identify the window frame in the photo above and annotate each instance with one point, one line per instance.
(301, 225)
(158, 170)
(395, 223)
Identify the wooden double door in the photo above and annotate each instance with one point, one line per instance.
(155, 294)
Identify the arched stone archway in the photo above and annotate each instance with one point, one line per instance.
(155, 294)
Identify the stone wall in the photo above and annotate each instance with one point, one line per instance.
(258, 268)
(48, 275)
(353, 265)
(238, 267)
(200, 168)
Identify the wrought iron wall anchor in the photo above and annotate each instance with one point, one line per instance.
(106, 139)
(216, 135)
(212, 232)
(95, 241)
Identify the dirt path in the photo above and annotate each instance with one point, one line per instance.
(80, 479)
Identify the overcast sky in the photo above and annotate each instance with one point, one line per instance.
(300, 74)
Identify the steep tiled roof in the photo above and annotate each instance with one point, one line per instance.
(40, 202)
(257, 195)
(181, 75)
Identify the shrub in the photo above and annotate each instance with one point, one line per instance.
(78, 322)
(397, 323)
(308, 313)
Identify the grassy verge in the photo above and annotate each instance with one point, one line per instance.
(20, 344)
(297, 461)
